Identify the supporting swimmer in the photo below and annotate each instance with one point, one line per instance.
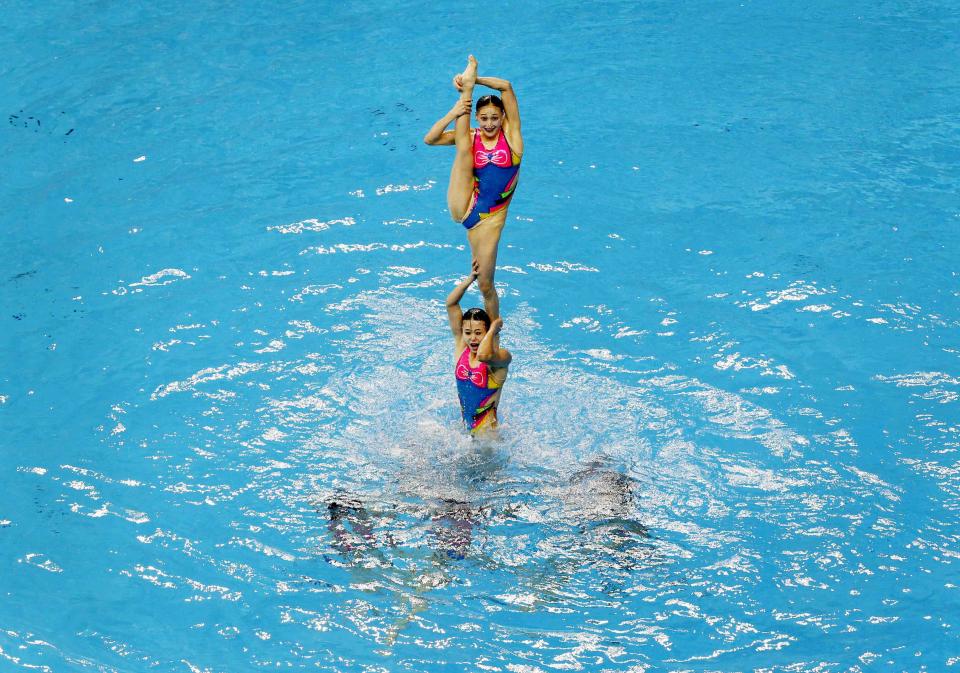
(485, 170)
(480, 364)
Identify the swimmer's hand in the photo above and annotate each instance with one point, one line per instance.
(454, 315)
(475, 270)
(438, 135)
(458, 82)
(462, 107)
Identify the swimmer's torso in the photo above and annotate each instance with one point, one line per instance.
(495, 173)
(479, 393)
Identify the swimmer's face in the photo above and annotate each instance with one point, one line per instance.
(473, 332)
(489, 119)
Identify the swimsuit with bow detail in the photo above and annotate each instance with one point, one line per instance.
(495, 175)
(477, 390)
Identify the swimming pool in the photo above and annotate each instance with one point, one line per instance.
(729, 279)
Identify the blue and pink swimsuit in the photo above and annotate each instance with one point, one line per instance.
(478, 393)
(494, 179)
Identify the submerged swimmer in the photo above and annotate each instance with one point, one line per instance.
(481, 365)
(484, 174)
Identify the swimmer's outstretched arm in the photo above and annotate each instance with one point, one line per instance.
(438, 135)
(454, 314)
(489, 350)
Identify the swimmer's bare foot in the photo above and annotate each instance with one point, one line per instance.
(469, 77)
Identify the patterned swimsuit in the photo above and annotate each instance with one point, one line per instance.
(495, 175)
(478, 393)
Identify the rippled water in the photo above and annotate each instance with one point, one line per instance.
(230, 438)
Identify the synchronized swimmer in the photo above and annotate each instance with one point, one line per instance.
(485, 169)
(480, 365)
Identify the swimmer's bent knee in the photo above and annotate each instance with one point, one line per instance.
(485, 284)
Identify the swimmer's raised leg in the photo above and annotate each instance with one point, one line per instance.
(460, 191)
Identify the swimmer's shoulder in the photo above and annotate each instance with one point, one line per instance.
(500, 365)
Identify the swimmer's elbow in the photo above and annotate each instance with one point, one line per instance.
(429, 140)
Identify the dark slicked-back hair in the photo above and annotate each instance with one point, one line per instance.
(477, 314)
(490, 99)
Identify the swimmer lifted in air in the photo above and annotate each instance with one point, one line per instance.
(480, 364)
(484, 174)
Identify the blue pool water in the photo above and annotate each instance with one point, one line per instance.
(230, 439)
